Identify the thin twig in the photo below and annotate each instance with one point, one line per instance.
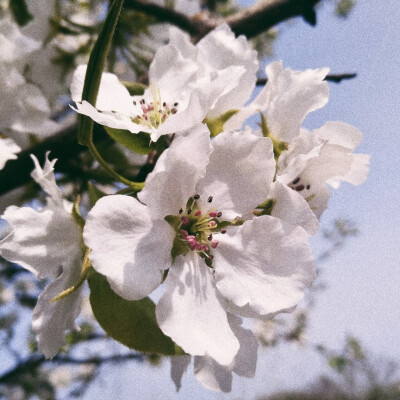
(336, 78)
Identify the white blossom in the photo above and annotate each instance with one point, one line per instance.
(255, 269)
(187, 83)
(322, 157)
(48, 243)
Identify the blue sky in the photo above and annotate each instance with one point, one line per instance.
(363, 280)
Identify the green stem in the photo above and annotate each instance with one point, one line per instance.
(136, 186)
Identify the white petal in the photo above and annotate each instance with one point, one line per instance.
(246, 359)
(8, 151)
(212, 375)
(176, 173)
(127, 246)
(52, 319)
(40, 241)
(292, 208)
(107, 118)
(179, 366)
(191, 313)
(231, 51)
(112, 96)
(219, 377)
(339, 133)
(239, 174)
(265, 264)
(45, 178)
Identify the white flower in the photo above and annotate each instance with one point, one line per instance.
(48, 243)
(187, 83)
(258, 268)
(8, 151)
(323, 157)
(287, 98)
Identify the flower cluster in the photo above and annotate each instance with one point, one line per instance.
(223, 221)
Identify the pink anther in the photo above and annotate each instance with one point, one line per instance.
(214, 244)
(185, 220)
(212, 214)
(197, 213)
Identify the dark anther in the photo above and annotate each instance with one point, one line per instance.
(180, 211)
(219, 214)
(210, 237)
(173, 111)
(299, 188)
(308, 187)
(196, 196)
(189, 211)
(223, 231)
(297, 180)
(134, 103)
(210, 199)
(175, 104)
(164, 104)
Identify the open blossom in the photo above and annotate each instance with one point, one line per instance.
(188, 226)
(322, 157)
(48, 243)
(187, 83)
(287, 98)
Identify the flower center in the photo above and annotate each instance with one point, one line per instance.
(156, 112)
(303, 188)
(195, 228)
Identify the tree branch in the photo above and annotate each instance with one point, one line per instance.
(336, 78)
(250, 21)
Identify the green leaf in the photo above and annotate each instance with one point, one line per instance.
(95, 69)
(20, 11)
(216, 125)
(338, 363)
(94, 194)
(138, 142)
(135, 88)
(132, 323)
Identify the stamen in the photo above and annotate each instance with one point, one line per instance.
(181, 211)
(210, 199)
(196, 196)
(297, 180)
(210, 237)
(212, 214)
(189, 211)
(223, 231)
(185, 220)
(198, 213)
(299, 188)
(219, 214)
(308, 187)
(214, 244)
(213, 223)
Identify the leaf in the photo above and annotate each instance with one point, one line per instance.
(94, 194)
(138, 142)
(132, 323)
(216, 125)
(20, 11)
(135, 88)
(95, 69)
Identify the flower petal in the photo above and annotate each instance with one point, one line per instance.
(179, 366)
(191, 313)
(176, 173)
(239, 174)
(52, 319)
(127, 246)
(8, 151)
(40, 241)
(212, 375)
(112, 96)
(292, 208)
(265, 264)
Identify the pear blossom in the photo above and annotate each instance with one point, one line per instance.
(187, 83)
(287, 98)
(47, 242)
(322, 157)
(186, 223)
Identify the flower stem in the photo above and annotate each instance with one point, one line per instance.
(136, 186)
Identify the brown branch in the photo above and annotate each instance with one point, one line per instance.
(336, 78)
(63, 146)
(250, 21)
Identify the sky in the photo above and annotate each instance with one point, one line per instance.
(363, 279)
